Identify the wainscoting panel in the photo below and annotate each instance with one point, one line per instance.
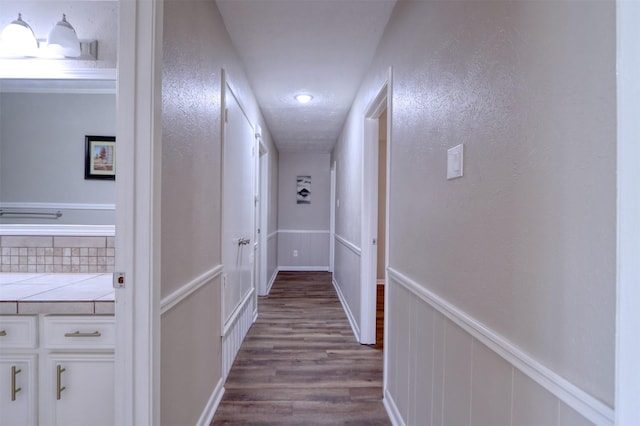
(235, 330)
(303, 250)
(346, 277)
(443, 367)
(191, 351)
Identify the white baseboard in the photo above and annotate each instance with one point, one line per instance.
(212, 405)
(271, 281)
(586, 405)
(392, 409)
(347, 311)
(380, 281)
(303, 268)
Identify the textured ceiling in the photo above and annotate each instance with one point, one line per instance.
(320, 47)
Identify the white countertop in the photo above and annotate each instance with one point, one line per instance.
(29, 293)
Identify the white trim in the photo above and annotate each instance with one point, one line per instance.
(57, 230)
(138, 213)
(272, 235)
(188, 289)
(369, 209)
(10, 68)
(392, 409)
(303, 231)
(380, 281)
(272, 280)
(347, 310)
(349, 245)
(235, 330)
(585, 404)
(627, 381)
(304, 268)
(226, 327)
(59, 206)
(212, 405)
(332, 218)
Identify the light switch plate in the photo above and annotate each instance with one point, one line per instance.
(455, 161)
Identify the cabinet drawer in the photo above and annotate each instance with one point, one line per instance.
(78, 332)
(18, 332)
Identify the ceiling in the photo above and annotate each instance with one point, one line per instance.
(319, 47)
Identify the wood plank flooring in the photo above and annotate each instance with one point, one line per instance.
(300, 363)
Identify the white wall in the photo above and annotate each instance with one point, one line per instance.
(522, 248)
(303, 227)
(42, 153)
(191, 203)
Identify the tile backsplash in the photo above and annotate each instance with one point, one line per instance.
(57, 254)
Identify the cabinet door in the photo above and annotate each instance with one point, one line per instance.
(18, 390)
(81, 389)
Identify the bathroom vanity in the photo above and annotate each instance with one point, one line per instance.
(57, 340)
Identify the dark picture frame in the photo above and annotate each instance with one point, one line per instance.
(100, 157)
(303, 189)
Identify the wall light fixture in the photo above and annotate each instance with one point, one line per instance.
(17, 40)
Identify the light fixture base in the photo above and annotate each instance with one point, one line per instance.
(88, 50)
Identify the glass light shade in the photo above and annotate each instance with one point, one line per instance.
(63, 40)
(303, 98)
(18, 39)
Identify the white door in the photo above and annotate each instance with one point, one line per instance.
(237, 205)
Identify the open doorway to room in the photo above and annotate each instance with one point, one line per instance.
(382, 222)
(374, 218)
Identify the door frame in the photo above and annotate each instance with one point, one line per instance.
(332, 218)
(262, 187)
(627, 376)
(139, 130)
(369, 229)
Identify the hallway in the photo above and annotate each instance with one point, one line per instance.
(300, 363)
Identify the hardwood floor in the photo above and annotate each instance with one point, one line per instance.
(300, 363)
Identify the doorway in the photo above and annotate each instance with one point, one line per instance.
(375, 211)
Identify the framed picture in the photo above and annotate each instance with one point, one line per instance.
(303, 190)
(100, 157)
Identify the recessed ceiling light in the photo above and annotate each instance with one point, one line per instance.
(303, 99)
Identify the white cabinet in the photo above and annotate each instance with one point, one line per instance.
(18, 389)
(18, 370)
(79, 371)
(80, 389)
(57, 370)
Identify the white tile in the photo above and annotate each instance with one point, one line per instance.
(26, 241)
(72, 292)
(64, 308)
(533, 405)
(7, 278)
(8, 308)
(103, 308)
(58, 278)
(79, 241)
(9, 292)
(491, 388)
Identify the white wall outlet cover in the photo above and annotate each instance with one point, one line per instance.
(455, 157)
